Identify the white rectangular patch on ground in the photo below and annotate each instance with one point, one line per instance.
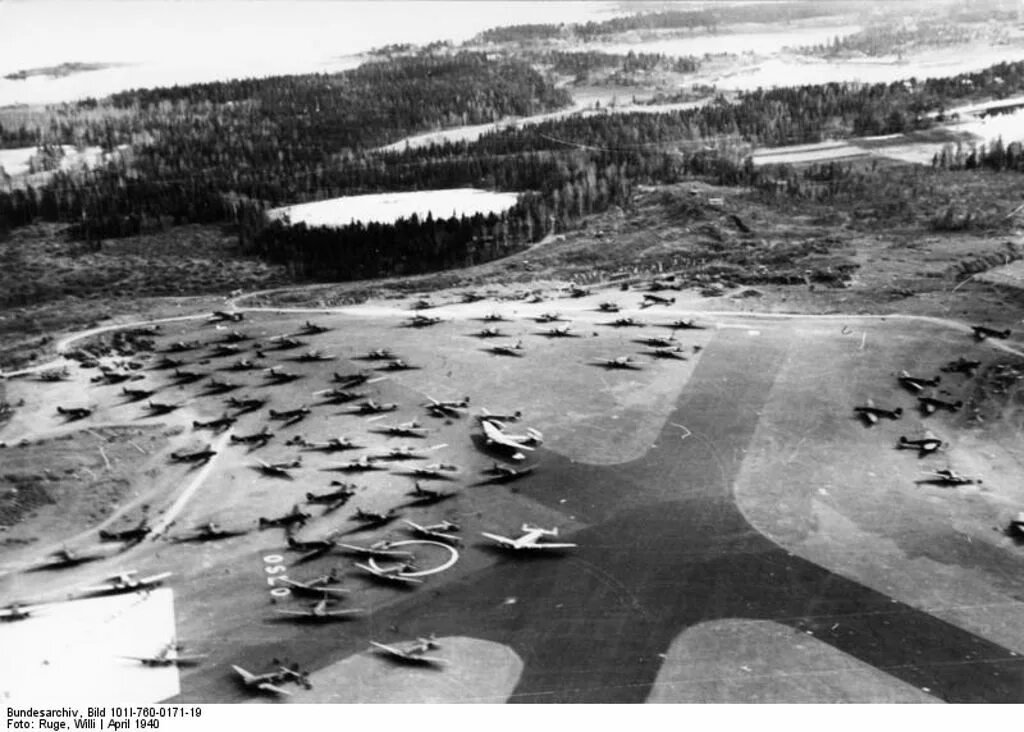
(73, 652)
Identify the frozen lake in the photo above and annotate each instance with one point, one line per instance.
(387, 208)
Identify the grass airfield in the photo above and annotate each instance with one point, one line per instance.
(733, 487)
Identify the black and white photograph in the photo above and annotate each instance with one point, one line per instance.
(434, 352)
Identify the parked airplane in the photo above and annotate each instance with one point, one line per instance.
(373, 518)
(946, 476)
(285, 343)
(608, 307)
(339, 396)
(563, 332)
(380, 354)
(549, 317)
(168, 656)
(269, 682)
(216, 386)
(515, 349)
(392, 572)
(221, 423)
(496, 437)
(406, 453)
(405, 429)
(530, 539)
(422, 321)
(291, 416)
(74, 413)
(425, 496)
(168, 363)
(309, 328)
(676, 353)
(279, 470)
(397, 365)
(226, 349)
(505, 473)
(981, 332)
(315, 355)
(128, 582)
(260, 438)
(210, 531)
(413, 651)
(246, 365)
(625, 323)
(277, 376)
(344, 491)
(685, 325)
(489, 333)
(296, 516)
(658, 341)
(930, 404)
(437, 532)
(235, 337)
(870, 413)
(962, 365)
(224, 315)
(320, 611)
(924, 446)
(915, 384)
(245, 404)
(577, 291)
(422, 304)
(494, 318)
(378, 550)
(434, 471)
(372, 407)
(620, 362)
(361, 465)
(317, 587)
(651, 299)
(334, 444)
(486, 414)
(157, 408)
(450, 408)
(1016, 526)
(186, 377)
(14, 612)
(65, 557)
(182, 346)
(137, 394)
(133, 535)
(347, 381)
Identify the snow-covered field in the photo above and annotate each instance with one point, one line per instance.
(761, 43)
(832, 150)
(15, 161)
(389, 207)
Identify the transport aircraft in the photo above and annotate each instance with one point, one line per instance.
(530, 539)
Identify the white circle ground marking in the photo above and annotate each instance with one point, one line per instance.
(423, 573)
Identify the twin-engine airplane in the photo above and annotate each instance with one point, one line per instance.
(531, 539)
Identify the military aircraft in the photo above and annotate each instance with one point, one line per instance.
(946, 476)
(334, 444)
(505, 473)
(285, 343)
(625, 323)
(549, 317)
(1016, 526)
(132, 535)
(425, 496)
(317, 587)
(344, 491)
(309, 328)
(168, 363)
(676, 353)
(218, 316)
(268, 682)
(128, 582)
(489, 333)
(374, 518)
(319, 610)
(405, 429)
(563, 332)
(220, 387)
(450, 408)
(315, 355)
(436, 531)
(434, 471)
(422, 304)
(186, 377)
(685, 325)
(193, 456)
(260, 438)
(487, 415)
(406, 453)
(494, 318)
(243, 405)
(962, 365)
(531, 539)
(311, 548)
(59, 374)
(372, 407)
(380, 354)
(930, 404)
(182, 346)
(296, 516)
(870, 413)
(535, 298)
(577, 291)
(651, 299)
(339, 396)
(392, 572)
(361, 465)
(924, 446)
(621, 362)
(74, 413)
(658, 341)
(167, 656)
(221, 423)
(397, 365)
(378, 550)
(65, 557)
(413, 651)
(422, 321)
(277, 376)
(347, 381)
(210, 531)
(135, 395)
(981, 332)
(245, 365)
(226, 349)
(14, 612)
(111, 376)
(515, 349)
(608, 307)
(235, 337)
(496, 437)
(156, 408)
(279, 470)
(291, 416)
(915, 384)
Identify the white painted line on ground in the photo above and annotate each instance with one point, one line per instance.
(172, 513)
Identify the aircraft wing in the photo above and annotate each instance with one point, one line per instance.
(388, 649)
(550, 545)
(296, 613)
(496, 435)
(503, 540)
(339, 613)
(267, 686)
(153, 579)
